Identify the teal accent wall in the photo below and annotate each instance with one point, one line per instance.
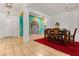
(40, 22)
(21, 25)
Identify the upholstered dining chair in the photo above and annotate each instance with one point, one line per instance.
(47, 33)
(56, 33)
(72, 37)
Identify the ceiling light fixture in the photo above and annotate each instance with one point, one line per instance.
(9, 7)
(9, 4)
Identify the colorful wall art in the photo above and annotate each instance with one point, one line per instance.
(36, 24)
(21, 24)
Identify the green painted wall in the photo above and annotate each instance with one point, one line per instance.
(21, 24)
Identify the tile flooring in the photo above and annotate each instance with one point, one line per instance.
(15, 47)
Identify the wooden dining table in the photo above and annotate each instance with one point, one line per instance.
(63, 33)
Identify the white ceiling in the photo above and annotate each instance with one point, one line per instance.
(51, 9)
(17, 7)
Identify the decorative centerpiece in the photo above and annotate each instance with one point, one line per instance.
(57, 24)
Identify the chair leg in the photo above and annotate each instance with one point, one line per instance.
(69, 39)
(73, 43)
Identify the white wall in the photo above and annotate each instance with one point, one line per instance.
(8, 26)
(69, 20)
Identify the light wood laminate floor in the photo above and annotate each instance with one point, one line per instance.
(15, 47)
